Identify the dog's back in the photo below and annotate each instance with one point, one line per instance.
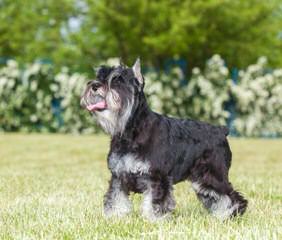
(182, 142)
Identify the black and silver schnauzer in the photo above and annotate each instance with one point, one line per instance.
(150, 152)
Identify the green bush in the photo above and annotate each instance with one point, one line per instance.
(29, 97)
(257, 95)
(258, 98)
(36, 98)
(202, 98)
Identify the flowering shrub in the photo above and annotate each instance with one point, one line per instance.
(202, 98)
(37, 99)
(25, 98)
(208, 92)
(68, 89)
(258, 98)
(165, 93)
(257, 95)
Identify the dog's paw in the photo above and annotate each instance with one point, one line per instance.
(118, 210)
(155, 216)
(117, 204)
(118, 213)
(155, 213)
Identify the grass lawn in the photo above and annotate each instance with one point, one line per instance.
(52, 187)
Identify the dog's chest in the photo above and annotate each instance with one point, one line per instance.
(128, 163)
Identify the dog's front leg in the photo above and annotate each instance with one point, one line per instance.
(158, 198)
(116, 201)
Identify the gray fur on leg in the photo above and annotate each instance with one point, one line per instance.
(116, 201)
(154, 209)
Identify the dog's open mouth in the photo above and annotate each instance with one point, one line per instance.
(99, 106)
(96, 103)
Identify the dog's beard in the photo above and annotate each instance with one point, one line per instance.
(114, 119)
(125, 115)
(107, 119)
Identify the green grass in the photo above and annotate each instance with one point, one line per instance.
(52, 187)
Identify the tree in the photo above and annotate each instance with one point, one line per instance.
(191, 29)
(38, 30)
(194, 30)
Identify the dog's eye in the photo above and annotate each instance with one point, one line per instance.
(95, 85)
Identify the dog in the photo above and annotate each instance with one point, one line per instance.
(149, 152)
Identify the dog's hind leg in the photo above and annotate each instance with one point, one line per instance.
(221, 205)
(210, 181)
(116, 201)
(158, 198)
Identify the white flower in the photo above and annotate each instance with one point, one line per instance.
(12, 63)
(223, 71)
(113, 61)
(196, 71)
(54, 87)
(33, 85)
(262, 60)
(33, 118)
(277, 73)
(34, 69)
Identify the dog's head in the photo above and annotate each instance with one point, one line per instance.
(112, 96)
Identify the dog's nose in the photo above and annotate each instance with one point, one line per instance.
(94, 85)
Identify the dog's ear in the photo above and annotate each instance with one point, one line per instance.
(137, 71)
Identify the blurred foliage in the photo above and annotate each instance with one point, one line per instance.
(258, 97)
(240, 31)
(203, 98)
(80, 33)
(38, 30)
(37, 98)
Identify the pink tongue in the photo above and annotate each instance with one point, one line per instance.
(98, 105)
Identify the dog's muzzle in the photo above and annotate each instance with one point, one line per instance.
(93, 102)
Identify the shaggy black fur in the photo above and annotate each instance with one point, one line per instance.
(176, 150)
